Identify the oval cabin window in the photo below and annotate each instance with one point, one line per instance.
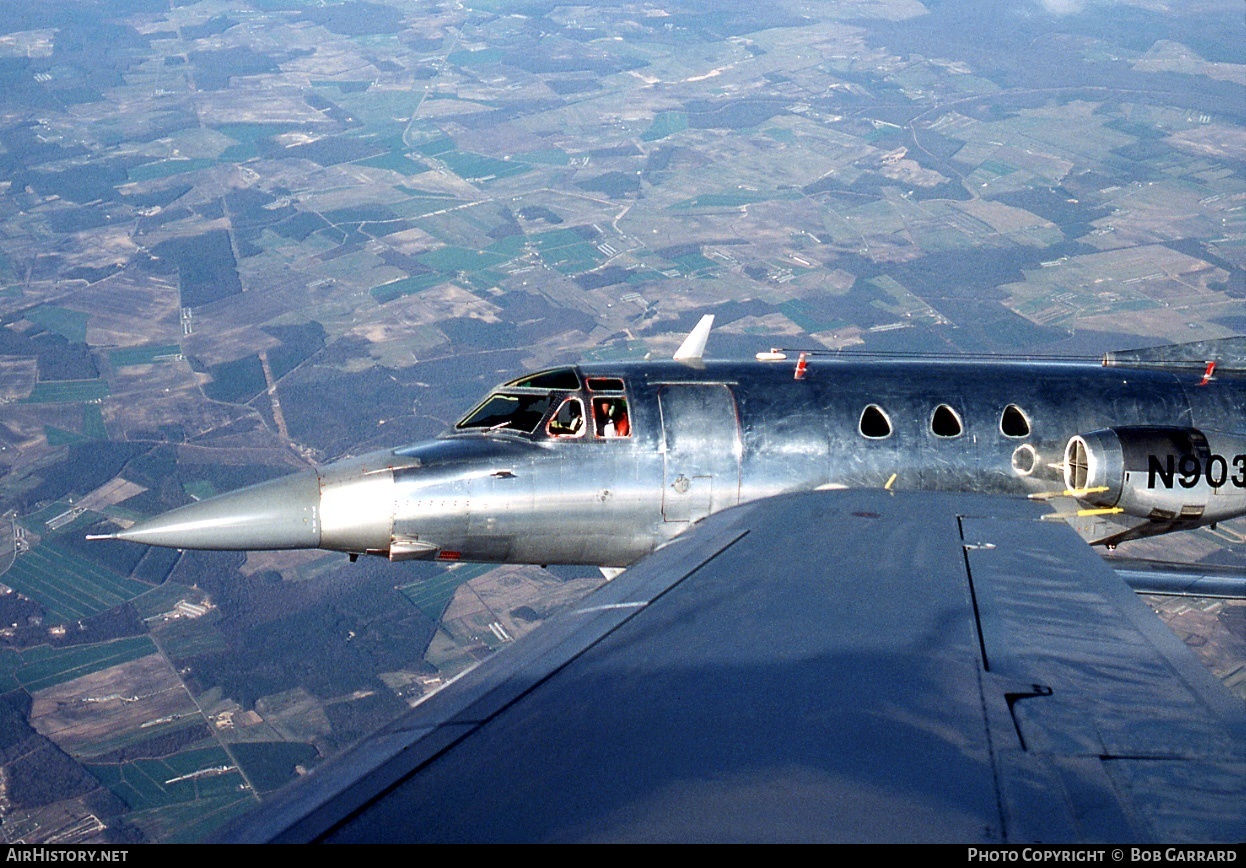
(945, 422)
(1013, 422)
(874, 423)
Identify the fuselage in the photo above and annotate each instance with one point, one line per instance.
(602, 463)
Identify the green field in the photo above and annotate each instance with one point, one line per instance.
(452, 259)
(45, 666)
(482, 281)
(665, 124)
(573, 258)
(691, 263)
(164, 598)
(509, 247)
(183, 639)
(199, 489)
(555, 238)
(406, 286)
(67, 586)
(436, 147)
(70, 324)
(168, 168)
(79, 524)
(431, 596)
(67, 392)
(395, 162)
(143, 355)
(418, 206)
(153, 783)
(248, 137)
(478, 167)
(546, 156)
(127, 737)
(190, 822)
(809, 318)
(735, 198)
(565, 250)
(92, 429)
(61, 437)
(377, 108)
(93, 422)
(35, 520)
(269, 764)
(476, 57)
(10, 660)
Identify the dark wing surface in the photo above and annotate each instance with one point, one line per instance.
(833, 666)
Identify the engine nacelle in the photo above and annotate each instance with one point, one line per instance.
(1165, 474)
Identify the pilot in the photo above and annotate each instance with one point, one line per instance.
(568, 421)
(612, 418)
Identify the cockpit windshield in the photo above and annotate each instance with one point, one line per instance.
(521, 404)
(522, 413)
(565, 379)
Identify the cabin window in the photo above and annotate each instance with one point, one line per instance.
(945, 422)
(501, 411)
(610, 418)
(568, 421)
(874, 423)
(1013, 422)
(605, 384)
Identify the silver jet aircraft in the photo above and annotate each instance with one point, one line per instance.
(601, 464)
(845, 615)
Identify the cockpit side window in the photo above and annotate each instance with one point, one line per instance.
(511, 412)
(568, 421)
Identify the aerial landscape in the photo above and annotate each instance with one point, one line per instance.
(239, 238)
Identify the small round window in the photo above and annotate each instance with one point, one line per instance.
(874, 423)
(945, 422)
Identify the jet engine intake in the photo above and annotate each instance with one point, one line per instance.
(1160, 473)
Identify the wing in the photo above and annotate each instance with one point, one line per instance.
(840, 665)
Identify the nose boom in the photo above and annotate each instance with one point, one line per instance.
(279, 514)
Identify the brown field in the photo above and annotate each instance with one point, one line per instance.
(115, 490)
(92, 714)
(493, 596)
(126, 310)
(17, 377)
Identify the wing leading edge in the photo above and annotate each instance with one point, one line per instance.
(839, 665)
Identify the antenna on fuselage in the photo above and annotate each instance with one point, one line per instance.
(694, 345)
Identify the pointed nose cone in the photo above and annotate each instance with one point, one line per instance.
(280, 514)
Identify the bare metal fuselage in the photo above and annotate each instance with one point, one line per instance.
(707, 437)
